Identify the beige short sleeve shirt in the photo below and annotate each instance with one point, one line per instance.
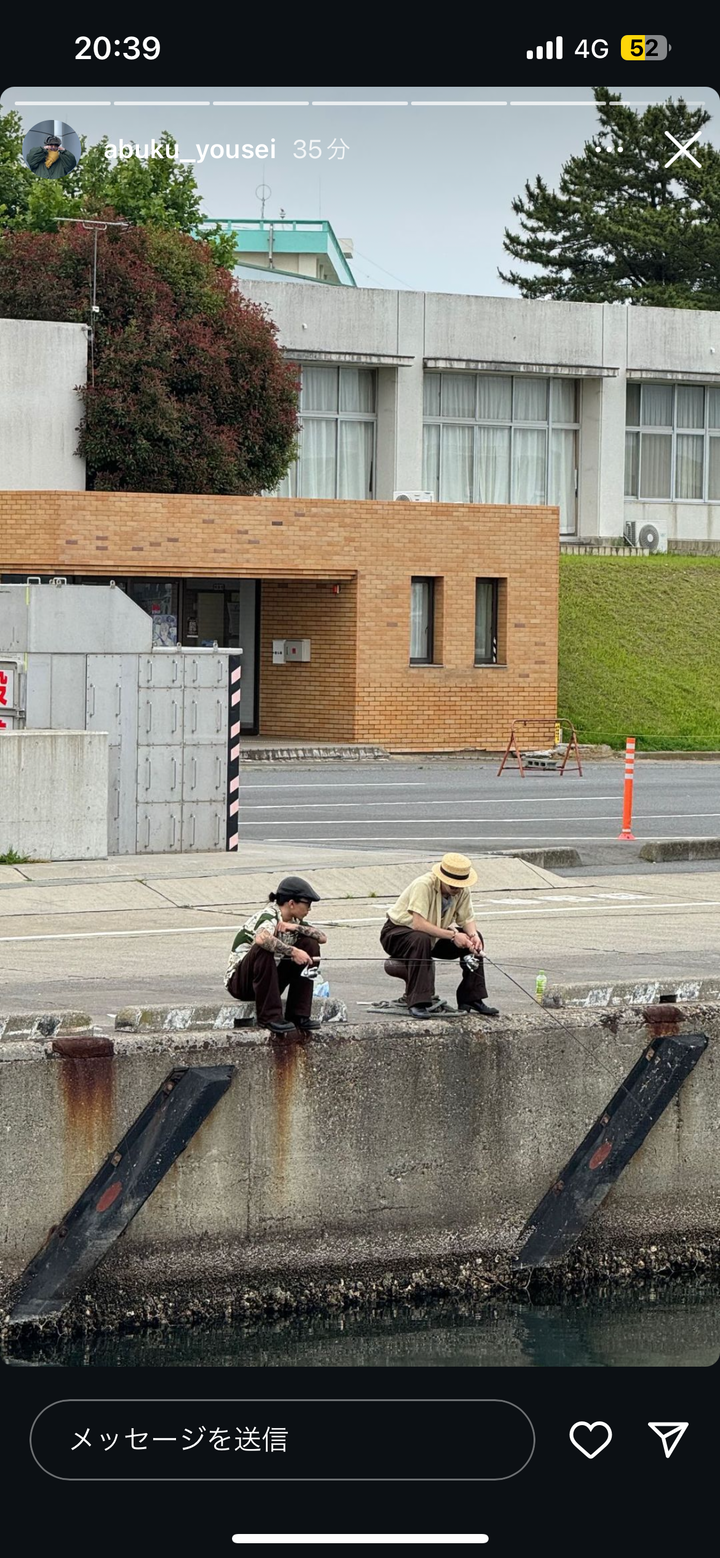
(424, 896)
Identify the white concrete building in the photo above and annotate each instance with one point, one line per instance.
(613, 413)
(43, 366)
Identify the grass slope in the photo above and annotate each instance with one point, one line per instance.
(640, 650)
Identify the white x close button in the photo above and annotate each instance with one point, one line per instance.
(683, 149)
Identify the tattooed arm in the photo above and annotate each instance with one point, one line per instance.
(281, 944)
(265, 938)
(314, 931)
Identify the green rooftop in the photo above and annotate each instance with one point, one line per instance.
(289, 250)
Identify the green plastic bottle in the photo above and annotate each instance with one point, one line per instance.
(540, 985)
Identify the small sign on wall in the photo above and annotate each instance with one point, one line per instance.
(8, 679)
(278, 646)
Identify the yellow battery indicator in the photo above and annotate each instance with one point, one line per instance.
(638, 46)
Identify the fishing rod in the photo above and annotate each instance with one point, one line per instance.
(546, 1011)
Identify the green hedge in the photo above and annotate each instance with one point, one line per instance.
(640, 650)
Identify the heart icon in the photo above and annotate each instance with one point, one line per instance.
(591, 1430)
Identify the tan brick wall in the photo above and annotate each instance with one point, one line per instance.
(318, 699)
(359, 684)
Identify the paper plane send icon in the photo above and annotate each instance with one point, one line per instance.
(670, 1433)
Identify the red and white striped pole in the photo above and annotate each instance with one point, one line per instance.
(233, 758)
(627, 832)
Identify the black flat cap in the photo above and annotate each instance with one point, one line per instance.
(296, 887)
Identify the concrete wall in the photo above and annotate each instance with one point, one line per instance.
(529, 336)
(362, 1146)
(54, 794)
(43, 364)
(75, 619)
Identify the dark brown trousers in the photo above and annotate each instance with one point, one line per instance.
(418, 950)
(260, 979)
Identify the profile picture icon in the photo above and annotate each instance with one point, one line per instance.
(51, 149)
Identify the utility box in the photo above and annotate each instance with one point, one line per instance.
(297, 649)
(89, 663)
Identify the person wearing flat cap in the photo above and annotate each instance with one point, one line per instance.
(434, 918)
(269, 954)
(51, 160)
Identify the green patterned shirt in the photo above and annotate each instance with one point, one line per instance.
(268, 916)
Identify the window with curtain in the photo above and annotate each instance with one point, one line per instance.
(422, 614)
(501, 438)
(672, 442)
(486, 621)
(336, 445)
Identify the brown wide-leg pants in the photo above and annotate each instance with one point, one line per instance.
(260, 979)
(418, 950)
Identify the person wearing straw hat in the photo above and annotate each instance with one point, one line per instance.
(434, 918)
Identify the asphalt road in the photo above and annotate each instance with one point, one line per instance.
(439, 804)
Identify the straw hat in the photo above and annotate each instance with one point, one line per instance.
(455, 871)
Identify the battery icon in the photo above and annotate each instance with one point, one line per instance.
(638, 46)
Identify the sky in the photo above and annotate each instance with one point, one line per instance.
(423, 191)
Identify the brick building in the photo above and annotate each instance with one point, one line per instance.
(430, 625)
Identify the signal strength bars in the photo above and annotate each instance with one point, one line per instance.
(547, 51)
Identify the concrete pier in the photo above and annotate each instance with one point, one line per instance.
(369, 1148)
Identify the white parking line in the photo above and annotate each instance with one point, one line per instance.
(451, 823)
(465, 800)
(352, 784)
(379, 822)
(524, 841)
(499, 914)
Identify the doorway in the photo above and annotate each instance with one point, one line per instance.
(226, 612)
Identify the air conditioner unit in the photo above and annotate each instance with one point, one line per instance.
(651, 539)
(414, 497)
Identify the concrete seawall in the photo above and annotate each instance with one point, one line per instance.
(366, 1149)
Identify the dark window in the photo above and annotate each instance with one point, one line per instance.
(422, 614)
(486, 621)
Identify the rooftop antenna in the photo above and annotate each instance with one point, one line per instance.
(263, 193)
(95, 226)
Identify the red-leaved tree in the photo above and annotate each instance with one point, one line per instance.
(191, 391)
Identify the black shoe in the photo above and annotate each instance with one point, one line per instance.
(281, 1027)
(308, 1024)
(479, 1006)
(422, 1011)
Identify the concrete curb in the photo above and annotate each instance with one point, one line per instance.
(628, 993)
(44, 1025)
(681, 849)
(271, 754)
(547, 859)
(180, 1019)
(676, 757)
(590, 752)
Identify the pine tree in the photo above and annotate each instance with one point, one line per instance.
(623, 227)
